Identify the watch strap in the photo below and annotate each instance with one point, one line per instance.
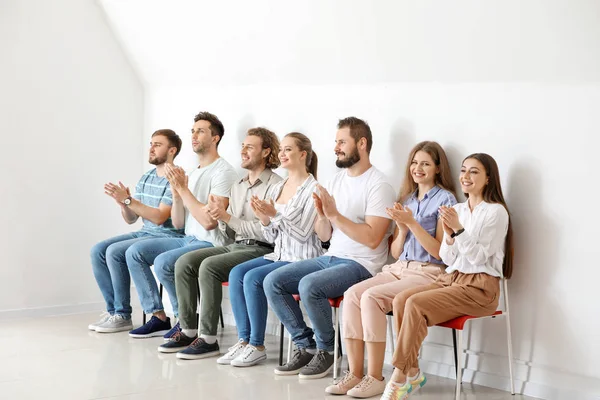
(458, 232)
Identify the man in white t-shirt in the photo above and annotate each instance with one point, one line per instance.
(213, 176)
(352, 217)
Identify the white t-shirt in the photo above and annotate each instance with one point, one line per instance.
(216, 178)
(357, 197)
(280, 208)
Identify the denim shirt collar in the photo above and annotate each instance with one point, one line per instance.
(432, 192)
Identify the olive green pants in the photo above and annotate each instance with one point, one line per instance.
(211, 266)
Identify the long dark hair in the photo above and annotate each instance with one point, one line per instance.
(443, 179)
(304, 144)
(492, 193)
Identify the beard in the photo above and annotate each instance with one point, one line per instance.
(200, 148)
(157, 160)
(251, 164)
(348, 161)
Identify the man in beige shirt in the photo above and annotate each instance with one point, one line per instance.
(212, 265)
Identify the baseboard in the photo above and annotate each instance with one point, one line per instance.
(490, 370)
(38, 312)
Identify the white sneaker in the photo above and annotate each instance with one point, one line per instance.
(233, 352)
(343, 385)
(116, 323)
(417, 381)
(103, 318)
(249, 357)
(368, 387)
(395, 392)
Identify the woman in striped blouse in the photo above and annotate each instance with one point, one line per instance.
(288, 221)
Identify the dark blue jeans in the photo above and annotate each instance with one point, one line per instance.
(316, 280)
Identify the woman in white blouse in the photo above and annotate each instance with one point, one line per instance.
(288, 221)
(477, 247)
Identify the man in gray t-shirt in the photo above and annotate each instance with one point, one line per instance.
(213, 177)
(152, 201)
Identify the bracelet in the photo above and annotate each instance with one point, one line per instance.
(458, 232)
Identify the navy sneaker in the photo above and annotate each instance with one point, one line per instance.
(178, 342)
(154, 327)
(172, 332)
(199, 349)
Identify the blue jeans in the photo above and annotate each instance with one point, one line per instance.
(110, 270)
(248, 300)
(163, 253)
(316, 280)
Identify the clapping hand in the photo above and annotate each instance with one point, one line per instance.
(263, 210)
(118, 192)
(325, 203)
(450, 219)
(215, 208)
(176, 177)
(265, 207)
(318, 205)
(402, 216)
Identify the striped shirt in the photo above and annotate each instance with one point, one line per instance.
(292, 229)
(152, 190)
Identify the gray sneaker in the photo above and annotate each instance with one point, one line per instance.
(318, 367)
(299, 360)
(103, 318)
(116, 323)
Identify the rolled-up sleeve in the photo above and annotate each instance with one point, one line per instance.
(491, 239)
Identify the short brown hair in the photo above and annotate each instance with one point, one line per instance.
(216, 126)
(269, 141)
(172, 137)
(358, 129)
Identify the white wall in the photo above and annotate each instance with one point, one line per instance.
(235, 42)
(517, 79)
(71, 108)
(541, 136)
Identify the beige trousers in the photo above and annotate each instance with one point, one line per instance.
(367, 303)
(452, 295)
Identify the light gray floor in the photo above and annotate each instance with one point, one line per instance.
(58, 358)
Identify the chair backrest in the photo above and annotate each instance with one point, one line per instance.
(504, 285)
(504, 292)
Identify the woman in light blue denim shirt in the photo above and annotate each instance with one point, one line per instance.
(427, 186)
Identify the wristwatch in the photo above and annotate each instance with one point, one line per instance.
(458, 232)
(127, 201)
